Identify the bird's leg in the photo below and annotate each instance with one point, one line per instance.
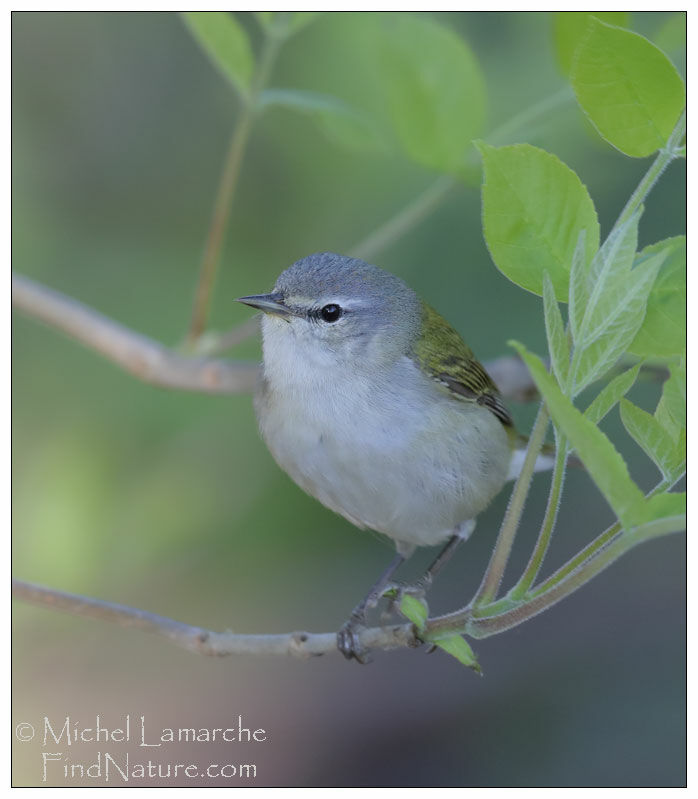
(347, 637)
(463, 533)
(421, 586)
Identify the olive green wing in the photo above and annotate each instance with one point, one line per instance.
(442, 353)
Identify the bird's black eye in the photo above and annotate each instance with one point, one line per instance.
(330, 313)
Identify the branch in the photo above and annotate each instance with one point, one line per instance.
(405, 220)
(229, 181)
(152, 362)
(142, 357)
(207, 642)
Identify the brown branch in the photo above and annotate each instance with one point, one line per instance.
(146, 359)
(202, 641)
(152, 362)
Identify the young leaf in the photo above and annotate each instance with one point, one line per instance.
(668, 505)
(589, 283)
(669, 457)
(457, 646)
(569, 28)
(434, 90)
(616, 304)
(534, 208)
(579, 288)
(557, 338)
(226, 44)
(610, 338)
(611, 394)
(415, 610)
(628, 88)
(663, 332)
(671, 410)
(344, 124)
(616, 255)
(603, 462)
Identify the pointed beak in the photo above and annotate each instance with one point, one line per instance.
(267, 303)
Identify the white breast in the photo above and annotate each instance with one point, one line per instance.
(393, 452)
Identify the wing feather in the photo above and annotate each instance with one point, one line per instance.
(442, 353)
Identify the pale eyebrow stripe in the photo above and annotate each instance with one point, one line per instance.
(301, 301)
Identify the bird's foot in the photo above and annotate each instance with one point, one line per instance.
(348, 641)
(395, 593)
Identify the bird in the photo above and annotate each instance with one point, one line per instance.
(374, 405)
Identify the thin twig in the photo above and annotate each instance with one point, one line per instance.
(213, 343)
(406, 219)
(139, 355)
(665, 156)
(202, 641)
(221, 211)
(229, 181)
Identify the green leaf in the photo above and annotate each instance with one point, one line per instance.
(579, 288)
(611, 394)
(669, 457)
(457, 646)
(617, 300)
(558, 346)
(415, 610)
(603, 462)
(302, 18)
(671, 36)
(344, 124)
(434, 90)
(226, 44)
(668, 505)
(569, 28)
(663, 332)
(671, 410)
(264, 18)
(613, 338)
(616, 256)
(534, 209)
(628, 88)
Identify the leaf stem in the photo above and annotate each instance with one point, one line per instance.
(507, 532)
(515, 124)
(536, 561)
(666, 155)
(590, 550)
(273, 39)
(497, 617)
(484, 626)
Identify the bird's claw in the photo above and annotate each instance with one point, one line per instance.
(348, 641)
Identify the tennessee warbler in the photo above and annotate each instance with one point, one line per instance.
(374, 405)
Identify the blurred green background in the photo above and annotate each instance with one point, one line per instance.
(170, 502)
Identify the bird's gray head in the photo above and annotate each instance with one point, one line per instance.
(334, 309)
